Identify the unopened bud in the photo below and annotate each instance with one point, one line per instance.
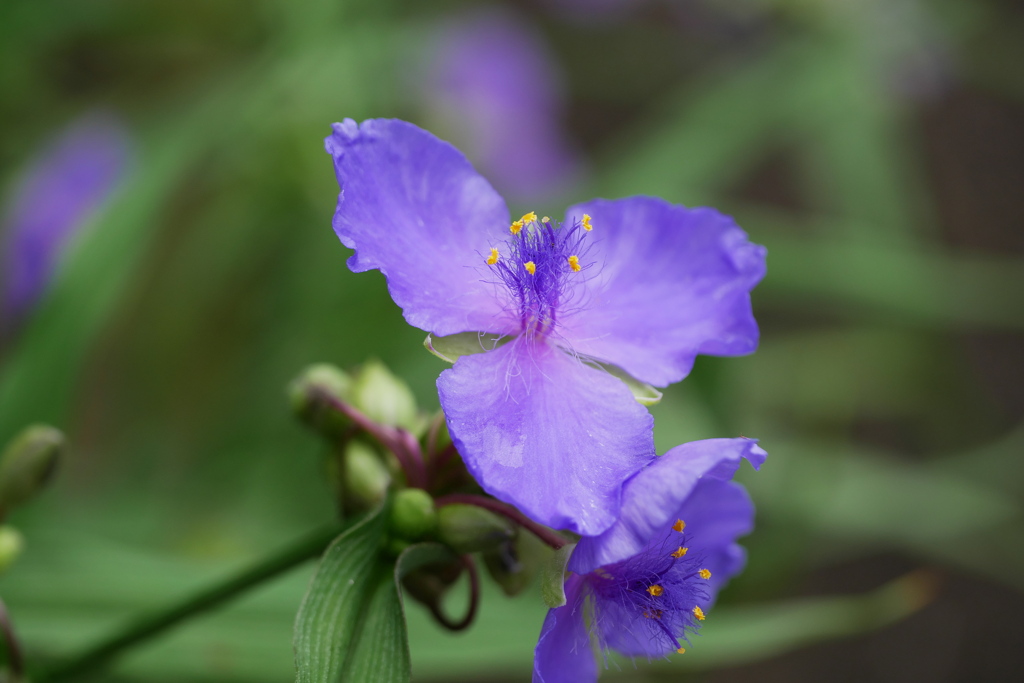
(514, 563)
(412, 514)
(27, 464)
(366, 479)
(469, 529)
(11, 543)
(306, 393)
(384, 398)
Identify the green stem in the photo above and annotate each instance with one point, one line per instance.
(151, 625)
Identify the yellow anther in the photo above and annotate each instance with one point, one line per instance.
(545, 220)
(586, 222)
(531, 267)
(574, 263)
(493, 258)
(681, 651)
(679, 552)
(679, 525)
(704, 574)
(528, 218)
(653, 614)
(699, 613)
(655, 590)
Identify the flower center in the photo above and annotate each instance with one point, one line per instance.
(661, 587)
(537, 264)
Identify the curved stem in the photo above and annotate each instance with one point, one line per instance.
(15, 660)
(552, 538)
(474, 600)
(148, 626)
(398, 441)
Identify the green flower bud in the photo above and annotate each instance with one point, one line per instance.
(303, 397)
(384, 398)
(27, 464)
(366, 479)
(514, 563)
(412, 514)
(11, 544)
(469, 529)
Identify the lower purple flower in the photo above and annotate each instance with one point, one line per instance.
(645, 585)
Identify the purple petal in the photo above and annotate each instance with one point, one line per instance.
(652, 498)
(670, 283)
(58, 194)
(564, 653)
(492, 81)
(546, 433)
(716, 514)
(414, 208)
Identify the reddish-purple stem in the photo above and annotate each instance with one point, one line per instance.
(398, 441)
(545, 534)
(474, 599)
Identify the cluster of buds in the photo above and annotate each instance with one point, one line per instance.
(380, 448)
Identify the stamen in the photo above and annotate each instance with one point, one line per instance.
(531, 267)
(515, 227)
(493, 258)
(653, 614)
(679, 525)
(528, 218)
(574, 263)
(545, 220)
(681, 651)
(586, 222)
(704, 574)
(655, 590)
(699, 613)
(680, 552)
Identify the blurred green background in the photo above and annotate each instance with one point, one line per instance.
(875, 146)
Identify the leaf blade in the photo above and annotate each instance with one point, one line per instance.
(336, 604)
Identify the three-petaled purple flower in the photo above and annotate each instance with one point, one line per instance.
(645, 584)
(637, 283)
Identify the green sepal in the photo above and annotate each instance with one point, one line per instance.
(453, 347)
(644, 393)
(552, 576)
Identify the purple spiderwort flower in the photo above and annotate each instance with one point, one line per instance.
(638, 283)
(482, 70)
(58, 194)
(645, 584)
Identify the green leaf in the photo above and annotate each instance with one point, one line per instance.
(552, 576)
(347, 621)
(454, 346)
(383, 642)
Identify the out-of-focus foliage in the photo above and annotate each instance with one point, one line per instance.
(873, 146)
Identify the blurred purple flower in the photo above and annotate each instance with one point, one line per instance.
(647, 582)
(638, 283)
(57, 195)
(494, 85)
